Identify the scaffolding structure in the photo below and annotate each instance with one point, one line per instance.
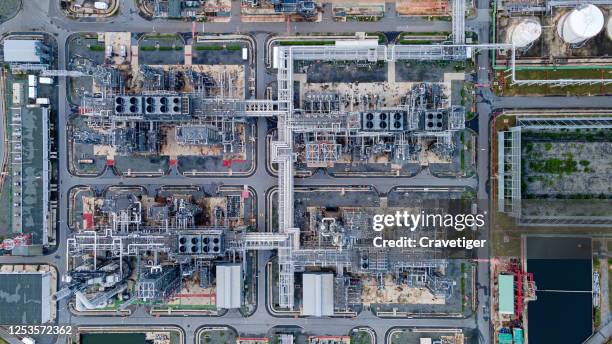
(458, 21)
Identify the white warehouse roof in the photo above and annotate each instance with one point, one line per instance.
(229, 286)
(318, 294)
(21, 50)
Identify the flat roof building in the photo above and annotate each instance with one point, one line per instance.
(318, 294)
(27, 295)
(229, 286)
(31, 186)
(25, 51)
(506, 294)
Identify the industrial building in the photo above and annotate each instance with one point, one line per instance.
(229, 286)
(26, 51)
(28, 297)
(31, 174)
(511, 169)
(506, 294)
(318, 294)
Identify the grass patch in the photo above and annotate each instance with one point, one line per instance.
(510, 90)
(96, 47)
(148, 48)
(209, 47)
(554, 166)
(233, 47)
(415, 41)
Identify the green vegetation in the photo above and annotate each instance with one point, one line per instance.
(233, 47)
(415, 41)
(468, 194)
(507, 89)
(555, 165)
(161, 48)
(548, 146)
(209, 47)
(96, 47)
(459, 67)
(382, 38)
(360, 337)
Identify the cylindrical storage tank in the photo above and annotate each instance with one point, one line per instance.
(609, 29)
(100, 5)
(525, 32)
(580, 24)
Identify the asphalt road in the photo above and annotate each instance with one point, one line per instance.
(44, 15)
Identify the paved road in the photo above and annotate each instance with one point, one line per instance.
(45, 15)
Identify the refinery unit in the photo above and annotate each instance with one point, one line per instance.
(348, 127)
(342, 272)
(162, 116)
(276, 10)
(175, 246)
(210, 10)
(420, 129)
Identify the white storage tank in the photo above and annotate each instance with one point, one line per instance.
(524, 33)
(609, 29)
(100, 5)
(580, 24)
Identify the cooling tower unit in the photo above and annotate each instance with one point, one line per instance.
(525, 32)
(582, 23)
